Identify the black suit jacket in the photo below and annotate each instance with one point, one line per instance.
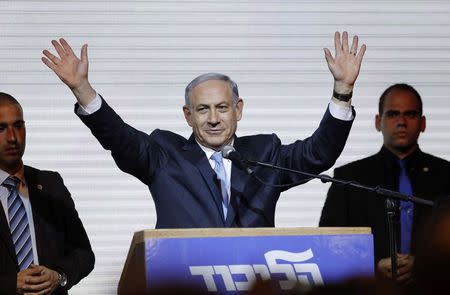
(62, 243)
(183, 184)
(346, 206)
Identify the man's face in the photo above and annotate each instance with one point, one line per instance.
(213, 114)
(12, 137)
(400, 122)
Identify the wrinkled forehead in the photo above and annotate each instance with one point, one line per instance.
(212, 90)
(204, 78)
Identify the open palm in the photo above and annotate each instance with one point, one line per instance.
(346, 64)
(73, 71)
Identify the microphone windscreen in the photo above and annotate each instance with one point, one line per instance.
(227, 150)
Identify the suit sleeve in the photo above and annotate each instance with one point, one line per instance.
(335, 210)
(318, 152)
(134, 151)
(8, 283)
(78, 260)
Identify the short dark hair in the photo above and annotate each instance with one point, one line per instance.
(8, 98)
(400, 86)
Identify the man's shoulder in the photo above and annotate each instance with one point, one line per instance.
(167, 134)
(37, 176)
(259, 137)
(359, 164)
(167, 138)
(29, 170)
(429, 159)
(257, 142)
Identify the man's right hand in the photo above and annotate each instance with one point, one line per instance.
(36, 280)
(73, 71)
(24, 278)
(404, 268)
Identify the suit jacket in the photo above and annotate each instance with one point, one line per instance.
(347, 206)
(183, 184)
(62, 243)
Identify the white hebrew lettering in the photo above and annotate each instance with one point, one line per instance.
(207, 272)
(289, 264)
(247, 271)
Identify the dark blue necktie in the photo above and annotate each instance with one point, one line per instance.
(406, 210)
(18, 224)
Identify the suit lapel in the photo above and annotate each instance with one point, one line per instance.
(238, 181)
(422, 174)
(5, 235)
(196, 156)
(380, 174)
(35, 192)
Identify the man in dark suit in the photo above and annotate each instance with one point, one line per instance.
(191, 184)
(43, 246)
(401, 166)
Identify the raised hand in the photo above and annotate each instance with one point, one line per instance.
(346, 64)
(73, 71)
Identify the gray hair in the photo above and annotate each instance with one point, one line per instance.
(210, 76)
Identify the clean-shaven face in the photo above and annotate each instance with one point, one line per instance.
(401, 122)
(213, 114)
(12, 137)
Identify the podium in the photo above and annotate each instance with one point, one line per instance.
(231, 260)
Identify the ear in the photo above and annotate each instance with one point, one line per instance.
(378, 123)
(239, 109)
(423, 124)
(187, 115)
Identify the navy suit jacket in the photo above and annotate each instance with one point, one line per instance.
(62, 243)
(183, 185)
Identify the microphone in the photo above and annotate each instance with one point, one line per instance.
(230, 153)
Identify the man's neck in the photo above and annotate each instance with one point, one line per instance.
(13, 170)
(403, 153)
(215, 149)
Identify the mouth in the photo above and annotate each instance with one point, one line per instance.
(401, 133)
(12, 151)
(213, 131)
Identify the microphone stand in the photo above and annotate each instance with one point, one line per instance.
(389, 195)
(391, 211)
(325, 178)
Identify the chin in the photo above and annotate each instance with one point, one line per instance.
(216, 143)
(215, 146)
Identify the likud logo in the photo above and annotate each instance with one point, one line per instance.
(292, 268)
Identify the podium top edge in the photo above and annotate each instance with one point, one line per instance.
(238, 232)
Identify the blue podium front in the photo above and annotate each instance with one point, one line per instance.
(232, 260)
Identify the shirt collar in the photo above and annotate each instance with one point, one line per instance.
(19, 174)
(209, 151)
(409, 161)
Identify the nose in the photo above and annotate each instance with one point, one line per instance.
(11, 135)
(401, 120)
(213, 117)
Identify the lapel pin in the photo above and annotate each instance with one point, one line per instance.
(39, 187)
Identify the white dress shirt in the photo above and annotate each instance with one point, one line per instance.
(23, 193)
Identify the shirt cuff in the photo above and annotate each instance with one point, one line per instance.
(92, 107)
(341, 111)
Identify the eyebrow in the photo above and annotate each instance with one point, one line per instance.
(397, 112)
(15, 122)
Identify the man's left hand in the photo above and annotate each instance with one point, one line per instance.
(44, 283)
(346, 64)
